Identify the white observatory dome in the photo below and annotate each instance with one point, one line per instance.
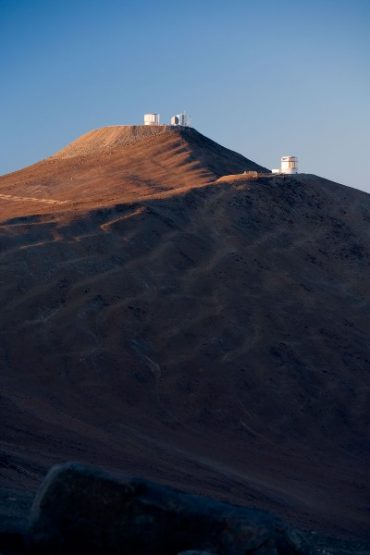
(289, 164)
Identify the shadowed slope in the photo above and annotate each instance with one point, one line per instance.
(214, 337)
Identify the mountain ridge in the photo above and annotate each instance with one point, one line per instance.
(212, 336)
(119, 163)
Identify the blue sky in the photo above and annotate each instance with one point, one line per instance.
(262, 77)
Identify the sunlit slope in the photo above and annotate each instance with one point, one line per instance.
(118, 164)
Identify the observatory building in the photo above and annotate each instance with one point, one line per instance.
(151, 119)
(180, 119)
(289, 165)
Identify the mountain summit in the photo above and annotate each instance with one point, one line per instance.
(210, 334)
(119, 164)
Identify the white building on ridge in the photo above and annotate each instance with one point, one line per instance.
(181, 119)
(152, 119)
(289, 165)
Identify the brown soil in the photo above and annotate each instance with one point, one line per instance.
(118, 164)
(209, 335)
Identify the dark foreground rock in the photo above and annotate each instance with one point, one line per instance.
(85, 511)
(82, 509)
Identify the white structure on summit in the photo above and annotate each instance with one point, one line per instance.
(151, 119)
(289, 164)
(180, 119)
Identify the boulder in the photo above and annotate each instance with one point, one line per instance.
(83, 510)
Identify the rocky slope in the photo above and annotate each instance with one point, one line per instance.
(211, 336)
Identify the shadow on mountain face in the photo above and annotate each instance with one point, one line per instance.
(211, 336)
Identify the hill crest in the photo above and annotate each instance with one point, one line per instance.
(118, 164)
(112, 136)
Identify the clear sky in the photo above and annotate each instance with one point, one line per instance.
(263, 77)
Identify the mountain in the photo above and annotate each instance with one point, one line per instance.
(119, 164)
(207, 333)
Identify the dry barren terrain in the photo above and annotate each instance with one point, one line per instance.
(210, 335)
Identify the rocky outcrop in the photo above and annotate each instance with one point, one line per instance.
(78, 507)
(84, 510)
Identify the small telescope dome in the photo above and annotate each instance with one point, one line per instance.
(289, 164)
